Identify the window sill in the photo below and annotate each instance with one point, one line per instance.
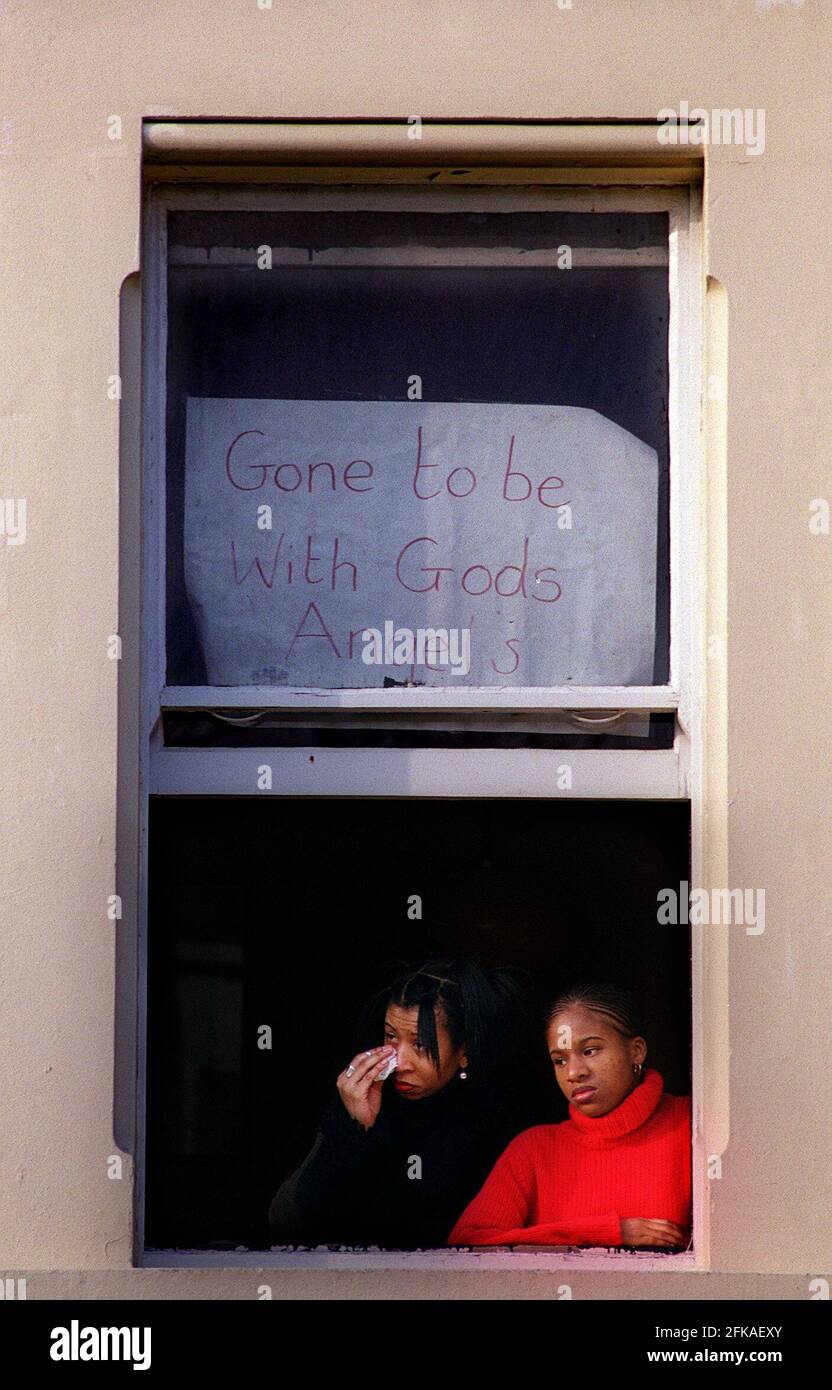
(541, 1259)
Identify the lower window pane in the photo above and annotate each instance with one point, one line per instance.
(286, 914)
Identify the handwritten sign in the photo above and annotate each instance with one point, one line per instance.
(323, 537)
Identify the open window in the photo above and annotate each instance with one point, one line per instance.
(420, 617)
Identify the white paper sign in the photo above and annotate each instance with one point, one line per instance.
(530, 528)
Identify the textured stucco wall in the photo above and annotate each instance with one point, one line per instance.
(71, 206)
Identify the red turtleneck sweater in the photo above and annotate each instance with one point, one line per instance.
(572, 1183)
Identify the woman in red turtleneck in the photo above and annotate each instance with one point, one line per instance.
(617, 1172)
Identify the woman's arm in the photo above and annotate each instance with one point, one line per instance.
(322, 1196)
(285, 1215)
(317, 1203)
(503, 1203)
(500, 1213)
(596, 1230)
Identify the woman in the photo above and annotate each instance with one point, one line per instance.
(397, 1159)
(617, 1172)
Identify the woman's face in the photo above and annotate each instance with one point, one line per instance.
(416, 1076)
(593, 1063)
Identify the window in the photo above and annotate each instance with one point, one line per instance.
(420, 579)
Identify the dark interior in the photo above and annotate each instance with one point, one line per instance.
(283, 911)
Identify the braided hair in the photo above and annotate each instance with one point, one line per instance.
(619, 1006)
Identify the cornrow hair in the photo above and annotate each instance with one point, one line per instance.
(615, 1003)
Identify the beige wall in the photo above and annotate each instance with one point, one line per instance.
(71, 217)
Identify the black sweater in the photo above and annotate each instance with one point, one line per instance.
(402, 1183)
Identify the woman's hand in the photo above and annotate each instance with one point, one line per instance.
(645, 1230)
(360, 1094)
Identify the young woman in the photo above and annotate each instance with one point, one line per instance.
(396, 1160)
(617, 1172)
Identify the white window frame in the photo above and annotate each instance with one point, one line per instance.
(654, 774)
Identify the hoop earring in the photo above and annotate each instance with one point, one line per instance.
(463, 1076)
(637, 1068)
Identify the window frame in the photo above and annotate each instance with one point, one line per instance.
(655, 774)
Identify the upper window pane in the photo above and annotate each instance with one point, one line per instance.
(382, 426)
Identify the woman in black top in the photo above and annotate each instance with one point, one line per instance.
(397, 1159)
